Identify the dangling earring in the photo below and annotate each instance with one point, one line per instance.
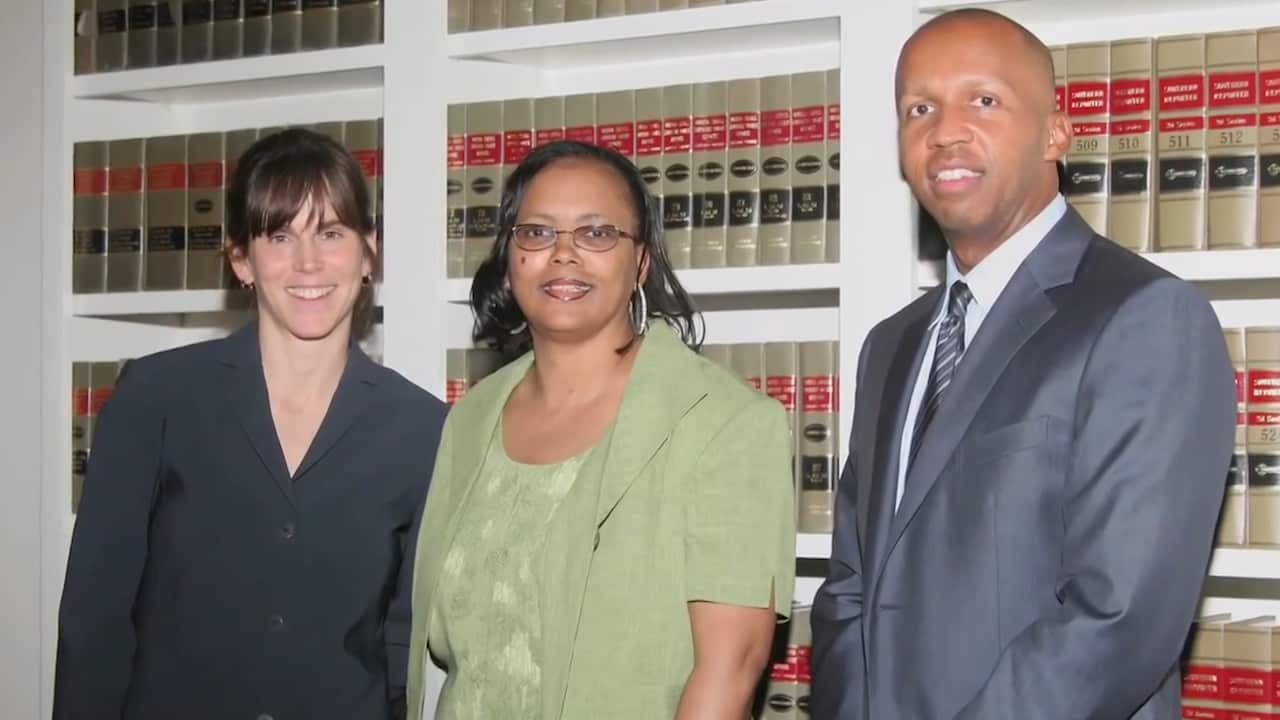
(640, 319)
(519, 328)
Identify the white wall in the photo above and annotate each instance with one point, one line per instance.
(21, 235)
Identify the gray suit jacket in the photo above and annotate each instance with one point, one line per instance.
(1051, 543)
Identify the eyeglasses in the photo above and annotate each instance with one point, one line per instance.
(592, 238)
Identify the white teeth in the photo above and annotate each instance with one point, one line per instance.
(956, 174)
(310, 293)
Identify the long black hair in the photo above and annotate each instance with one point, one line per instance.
(499, 322)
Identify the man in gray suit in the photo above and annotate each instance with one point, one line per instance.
(1039, 447)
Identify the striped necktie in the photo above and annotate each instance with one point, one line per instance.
(945, 356)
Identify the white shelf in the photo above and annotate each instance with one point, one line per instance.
(813, 545)
(1261, 563)
(759, 26)
(753, 281)
(1045, 11)
(165, 302)
(252, 78)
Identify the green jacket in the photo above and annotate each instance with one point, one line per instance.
(689, 496)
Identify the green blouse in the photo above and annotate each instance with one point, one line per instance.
(486, 627)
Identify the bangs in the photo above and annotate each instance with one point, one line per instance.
(280, 188)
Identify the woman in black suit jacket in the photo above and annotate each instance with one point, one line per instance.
(244, 544)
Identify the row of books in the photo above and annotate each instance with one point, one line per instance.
(1176, 138)
(128, 34)
(785, 689)
(1251, 509)
(1231, 668)
(91, 387)
(148, 213)
(747, 171)
(473, 15)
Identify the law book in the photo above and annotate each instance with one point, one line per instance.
(464, 367)
(833, 166)
(780, 689)
(485, 15)
(1269, 137)
(257, 27)
(1088, 96)
(677, 174)
(1058, 55)
(579, 9)
(319, 24)
(517, 134)
(81, 429)
(455, 180)
(611, 8)
(672, 4)
(517, 13)
(361, 140)
(637, 7)
(580, 118)
(1180, 211)
(483, 172)
(704, 3)
(781, 382)
(85, 29)
(378, 204)
(110, 46)
(286, 26)
(1247, 666)
(1231, 60)
(165, 267)
(648, 143)
(228, 29)
(168, 32)
(1131, 143)
(1262, 434)
(743, 162)
(141, 34)
(747, 360)
(197, 31)
(1233, 518)
(89, 217)
(1203, 684)
(236, 142)
(710, 143)
(206, 191)
(359, 22)
(125, 218)
(457, 16)
(548, 120)
(817, 436)
(616, 121)
(775, 170)
(808, 167)
(333, 130)
(547, 12)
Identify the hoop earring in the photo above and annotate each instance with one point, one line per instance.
(640, 319)
(519, 328)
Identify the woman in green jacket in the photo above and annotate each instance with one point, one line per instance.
(610, 528)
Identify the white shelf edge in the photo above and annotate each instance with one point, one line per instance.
(813, 545)
(1246, 562)
(359, 66)
(166, 302)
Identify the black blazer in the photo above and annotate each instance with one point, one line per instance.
(204, 582)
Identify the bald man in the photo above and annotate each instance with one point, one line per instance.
(1039, 445)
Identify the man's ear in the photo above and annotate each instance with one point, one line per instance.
(1058, 137)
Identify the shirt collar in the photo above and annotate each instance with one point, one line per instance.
(988, 278)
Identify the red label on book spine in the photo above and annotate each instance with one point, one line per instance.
(516, 144)
(1131, 127)
(1181, 92)
(833, 122)
(89, 181)
(547, 135)
(80, 401)
(1087, 97)
(1233, 88)
(744, 129)
(710, 132)
(775, 127)
(368, 160)
(1089, 129)
(1219, 122)
(819, 393)
(484, 149)
(1130, 95)
(1269, 87)
(1264, 386)
(648, 137)
(167, 176)
(1182, 124)
(456, 151)
(581, 133)
(677, 134)
(808, 124)
(783, 389)
(204, 175)
(620, 137)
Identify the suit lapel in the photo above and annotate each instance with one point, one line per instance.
(245, 389)
(350, 399)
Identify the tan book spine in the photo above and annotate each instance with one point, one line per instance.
(1247, 685)
(648, 142)
(456, 378)
(802, 638)
(1268, 228)
(319, 24)
(1132, 141)
(743, 181)
(363, 139)
(808, 167)
(168, 32)
(483, 173)
(1058, 54)
(235, 145)
(1088, 95)
(197, 31)
(458, 17)
(677, 174)
(611, 8)
(81, 428)
(616, 122)
(141, 35)
(166, 209)
(704, 3)
(579, 9)
(485, 15)
(775, 170)
(89, 218)
(84, 47)
(637, 7)
(710, 143)
(1180, 212)
(206, 189)
(546, 12)
(1203, 684)
(818, 413)
(747, 360)
(359, 22)
(228, 29)
(673, 4)
(548, 120)
(782, 382)
(286, 26)
(580, 118)
(1231, 60)
(257, 27)
(517, 133)
(125, 218)
(455, 198)
(1232, 524)
(833, 166)
(1262, 434)
(111, 46)
(518, 13)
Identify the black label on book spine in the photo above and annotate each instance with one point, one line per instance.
(708, 210)
(1235, 471)
(1233, 172)
(197, 12)
(164, 15)
(124, 240)
(226, 10)
(833, 201)
(1269, 174)
(112, 21)
(285, 6)
(816, 472)
(79, 462)
(142, 17)
(257, 8)
(1129, 177)
(742, 208)
(356, 2)
(1264, 469)
(808, 203)
(89, 242)
(167, 237)
(1086, 178)
(675, 212)
(205, 237)
(651, 175)
(775, 206)
(1181, 174)
(318, 4)
(456, 223)
(482, 221)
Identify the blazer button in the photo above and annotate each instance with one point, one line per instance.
(277, 622)
(265, 716)
(287, 531)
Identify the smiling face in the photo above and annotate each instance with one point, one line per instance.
(978, 132)
(307, 274)
(564, 291)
